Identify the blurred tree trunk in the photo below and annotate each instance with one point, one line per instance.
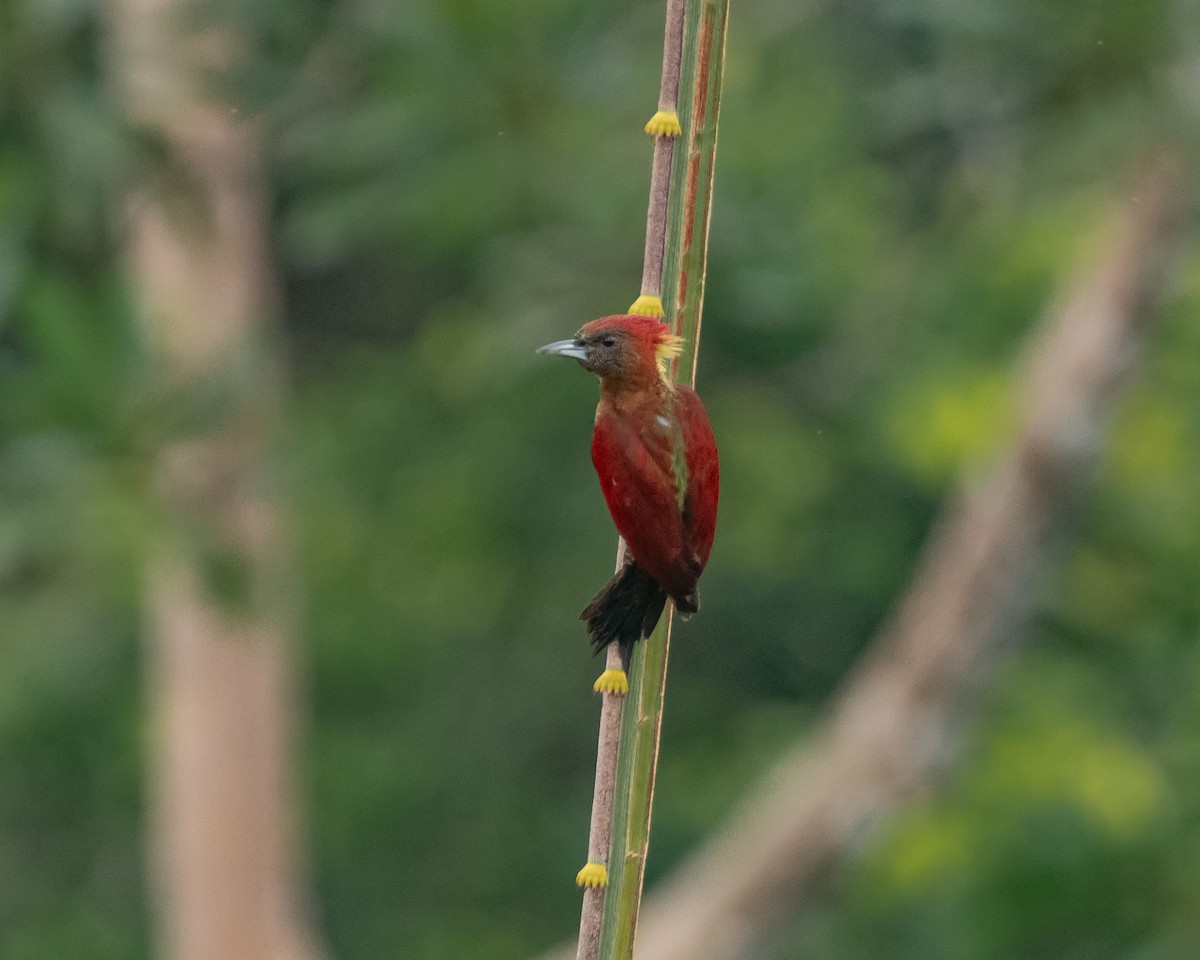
(897, 724)
(218, 602)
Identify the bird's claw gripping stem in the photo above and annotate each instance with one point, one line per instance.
(612, 681)
(592, 875)
(664, 123)
(647, 305)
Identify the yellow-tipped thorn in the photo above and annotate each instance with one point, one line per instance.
(647, 305)
(592, 875)
(665, 123)
(612, 681)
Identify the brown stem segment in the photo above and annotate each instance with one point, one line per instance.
(668, 95)
(600, 829)
(656, 216)
(600, 833)
(660, 171)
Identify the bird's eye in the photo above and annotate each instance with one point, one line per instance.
(609, 341)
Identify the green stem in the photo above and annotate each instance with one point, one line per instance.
(685, 257)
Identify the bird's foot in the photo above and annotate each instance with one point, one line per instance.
(647, 305)
(592, 875)
(665, 123)
(612, 681)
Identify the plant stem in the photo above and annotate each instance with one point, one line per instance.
(600, 833)
(664, 148)
(675, 261)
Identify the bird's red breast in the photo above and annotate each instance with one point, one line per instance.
(656, 458)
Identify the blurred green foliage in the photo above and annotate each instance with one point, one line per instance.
(900, 184)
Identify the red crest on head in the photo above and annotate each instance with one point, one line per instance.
(647, 329)
(651, 333)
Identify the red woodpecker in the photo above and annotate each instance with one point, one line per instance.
(654, 452)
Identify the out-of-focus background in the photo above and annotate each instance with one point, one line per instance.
(902, 186)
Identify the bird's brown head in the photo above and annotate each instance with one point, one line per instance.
(624, 349)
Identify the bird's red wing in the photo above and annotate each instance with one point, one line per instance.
(633, 458)
(663, 503)
(704, 473)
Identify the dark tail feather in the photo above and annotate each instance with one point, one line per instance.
(624, 611)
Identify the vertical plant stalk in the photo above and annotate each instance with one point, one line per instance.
(688, 216)
(664, 126)
(680, 215)
(600, 830)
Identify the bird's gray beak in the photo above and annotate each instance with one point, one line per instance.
(576, 349)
